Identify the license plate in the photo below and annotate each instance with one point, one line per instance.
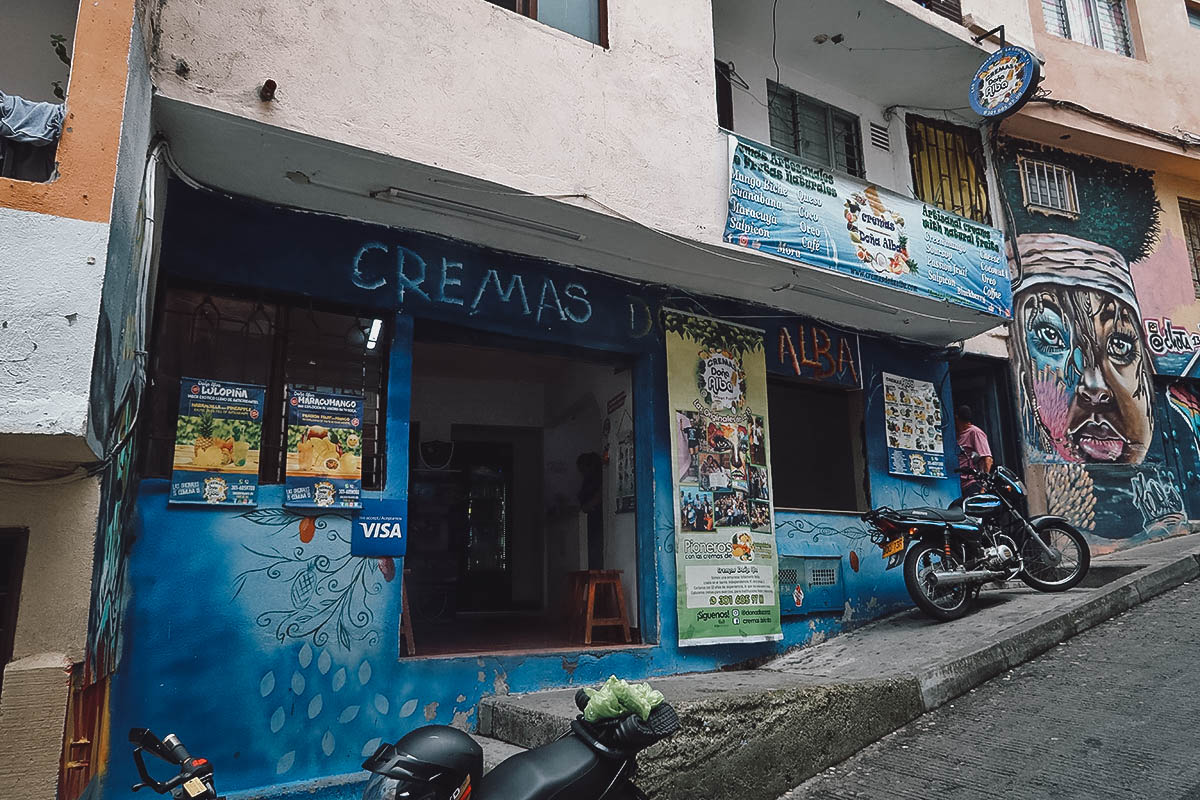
(894, 546)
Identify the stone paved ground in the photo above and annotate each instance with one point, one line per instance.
(1111, 713)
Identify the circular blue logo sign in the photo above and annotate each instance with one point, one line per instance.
(1004, 82)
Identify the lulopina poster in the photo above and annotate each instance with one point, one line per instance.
(324, 458)
(913, 419)
(726, 562)
(217, 437)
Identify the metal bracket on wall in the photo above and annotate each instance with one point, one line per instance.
(998, 29)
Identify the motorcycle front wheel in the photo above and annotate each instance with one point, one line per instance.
(943, 603)
(1045, 575)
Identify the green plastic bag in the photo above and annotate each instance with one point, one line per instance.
(617, 697)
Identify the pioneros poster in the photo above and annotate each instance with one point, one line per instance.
(218, 433)
(725, 555)
(324, 458)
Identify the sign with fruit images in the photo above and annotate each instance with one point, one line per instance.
(788, 208)
(912, 413)
(324, 454)
(217, 437)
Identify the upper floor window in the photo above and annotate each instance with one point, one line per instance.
(1189, 210)
(587, 19)
(814, 131)
(1048, 187)
(947, 167)
(1193, 12)
(1099, 23)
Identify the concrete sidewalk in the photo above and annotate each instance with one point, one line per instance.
(757, 733)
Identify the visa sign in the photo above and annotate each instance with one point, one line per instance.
(378, 533)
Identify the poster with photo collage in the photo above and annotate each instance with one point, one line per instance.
(912, 415)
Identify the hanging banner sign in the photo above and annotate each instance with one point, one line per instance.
(1004, 82)
(217, 437)
(324, 458)
(913, 419)
(782, 206)
(727, 565)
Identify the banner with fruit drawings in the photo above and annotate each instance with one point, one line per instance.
(785, 207)
(324, 457)
(726, 563)
(217, 437)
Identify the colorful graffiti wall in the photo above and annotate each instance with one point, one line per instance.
(1091, 386)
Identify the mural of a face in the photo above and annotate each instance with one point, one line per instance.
(1085, 375)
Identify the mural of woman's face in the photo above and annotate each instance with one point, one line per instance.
(1088, 372)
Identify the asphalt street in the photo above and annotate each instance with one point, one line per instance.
(1111, 713)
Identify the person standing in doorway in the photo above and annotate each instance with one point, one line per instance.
(591, 502)
(973, 449)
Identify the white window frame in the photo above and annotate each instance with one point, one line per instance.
(1082, 21)
(1062, 177)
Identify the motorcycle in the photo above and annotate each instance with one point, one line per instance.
(986, 536)
(591, 761)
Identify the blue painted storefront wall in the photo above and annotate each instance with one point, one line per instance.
(277, 658)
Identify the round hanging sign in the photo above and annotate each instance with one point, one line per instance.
(1004, 82)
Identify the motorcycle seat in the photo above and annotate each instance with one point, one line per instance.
(566, 769)
(930, 513)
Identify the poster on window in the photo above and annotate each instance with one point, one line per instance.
(218, 432)
(726, 561)
(324, 450)
(912, 414)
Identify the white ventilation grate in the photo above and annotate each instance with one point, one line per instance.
(879, 137)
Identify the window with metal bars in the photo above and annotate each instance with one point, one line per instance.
(250, 340)
(1189, 210)
(12, 564)
(816, 132)
(948, 167)
(1048, 187)
(1098, 23)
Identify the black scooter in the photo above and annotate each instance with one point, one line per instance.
(986, 536)
(591, 761)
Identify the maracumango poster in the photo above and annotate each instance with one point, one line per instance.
(324, 457)
(727, 565)
(785, 207)
(218, 433)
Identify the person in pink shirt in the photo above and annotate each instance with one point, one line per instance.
(973, 448)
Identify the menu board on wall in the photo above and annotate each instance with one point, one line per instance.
(727, 564)
(785, 207)
(218, 433)
(913, 420)
(324, 457)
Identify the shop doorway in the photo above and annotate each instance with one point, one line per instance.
(985, 384)
(495, 525)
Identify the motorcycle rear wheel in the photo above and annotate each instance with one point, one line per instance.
(945, 604)
(1076, 558)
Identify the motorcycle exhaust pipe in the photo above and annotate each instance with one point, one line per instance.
(974, 576)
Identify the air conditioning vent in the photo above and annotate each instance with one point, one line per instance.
(879, 137)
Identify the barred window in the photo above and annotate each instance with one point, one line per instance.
(1048, 187)
(249, 340)
(816, 132)
(1098, 23)
(948, 167)
(1189, 210)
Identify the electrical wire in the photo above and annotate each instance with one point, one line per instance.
(774, 34)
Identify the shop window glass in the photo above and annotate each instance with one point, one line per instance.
(817, 450)
(252, 340)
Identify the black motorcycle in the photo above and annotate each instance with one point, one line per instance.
(986, 536)
(591, 761)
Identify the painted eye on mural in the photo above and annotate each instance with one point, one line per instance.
(1049, 337)
(1121, 348)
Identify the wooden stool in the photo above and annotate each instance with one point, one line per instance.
(406, 632)
(583, 595)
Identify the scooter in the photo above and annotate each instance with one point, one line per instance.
(987, 536)
(591, 761)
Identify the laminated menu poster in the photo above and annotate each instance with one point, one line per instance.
(912, 415)
(727, 565)
(217, 436)
(324, 457)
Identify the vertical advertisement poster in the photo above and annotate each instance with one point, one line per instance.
(324, 457)
(912, 415)
(217, 437)
(727, 565)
